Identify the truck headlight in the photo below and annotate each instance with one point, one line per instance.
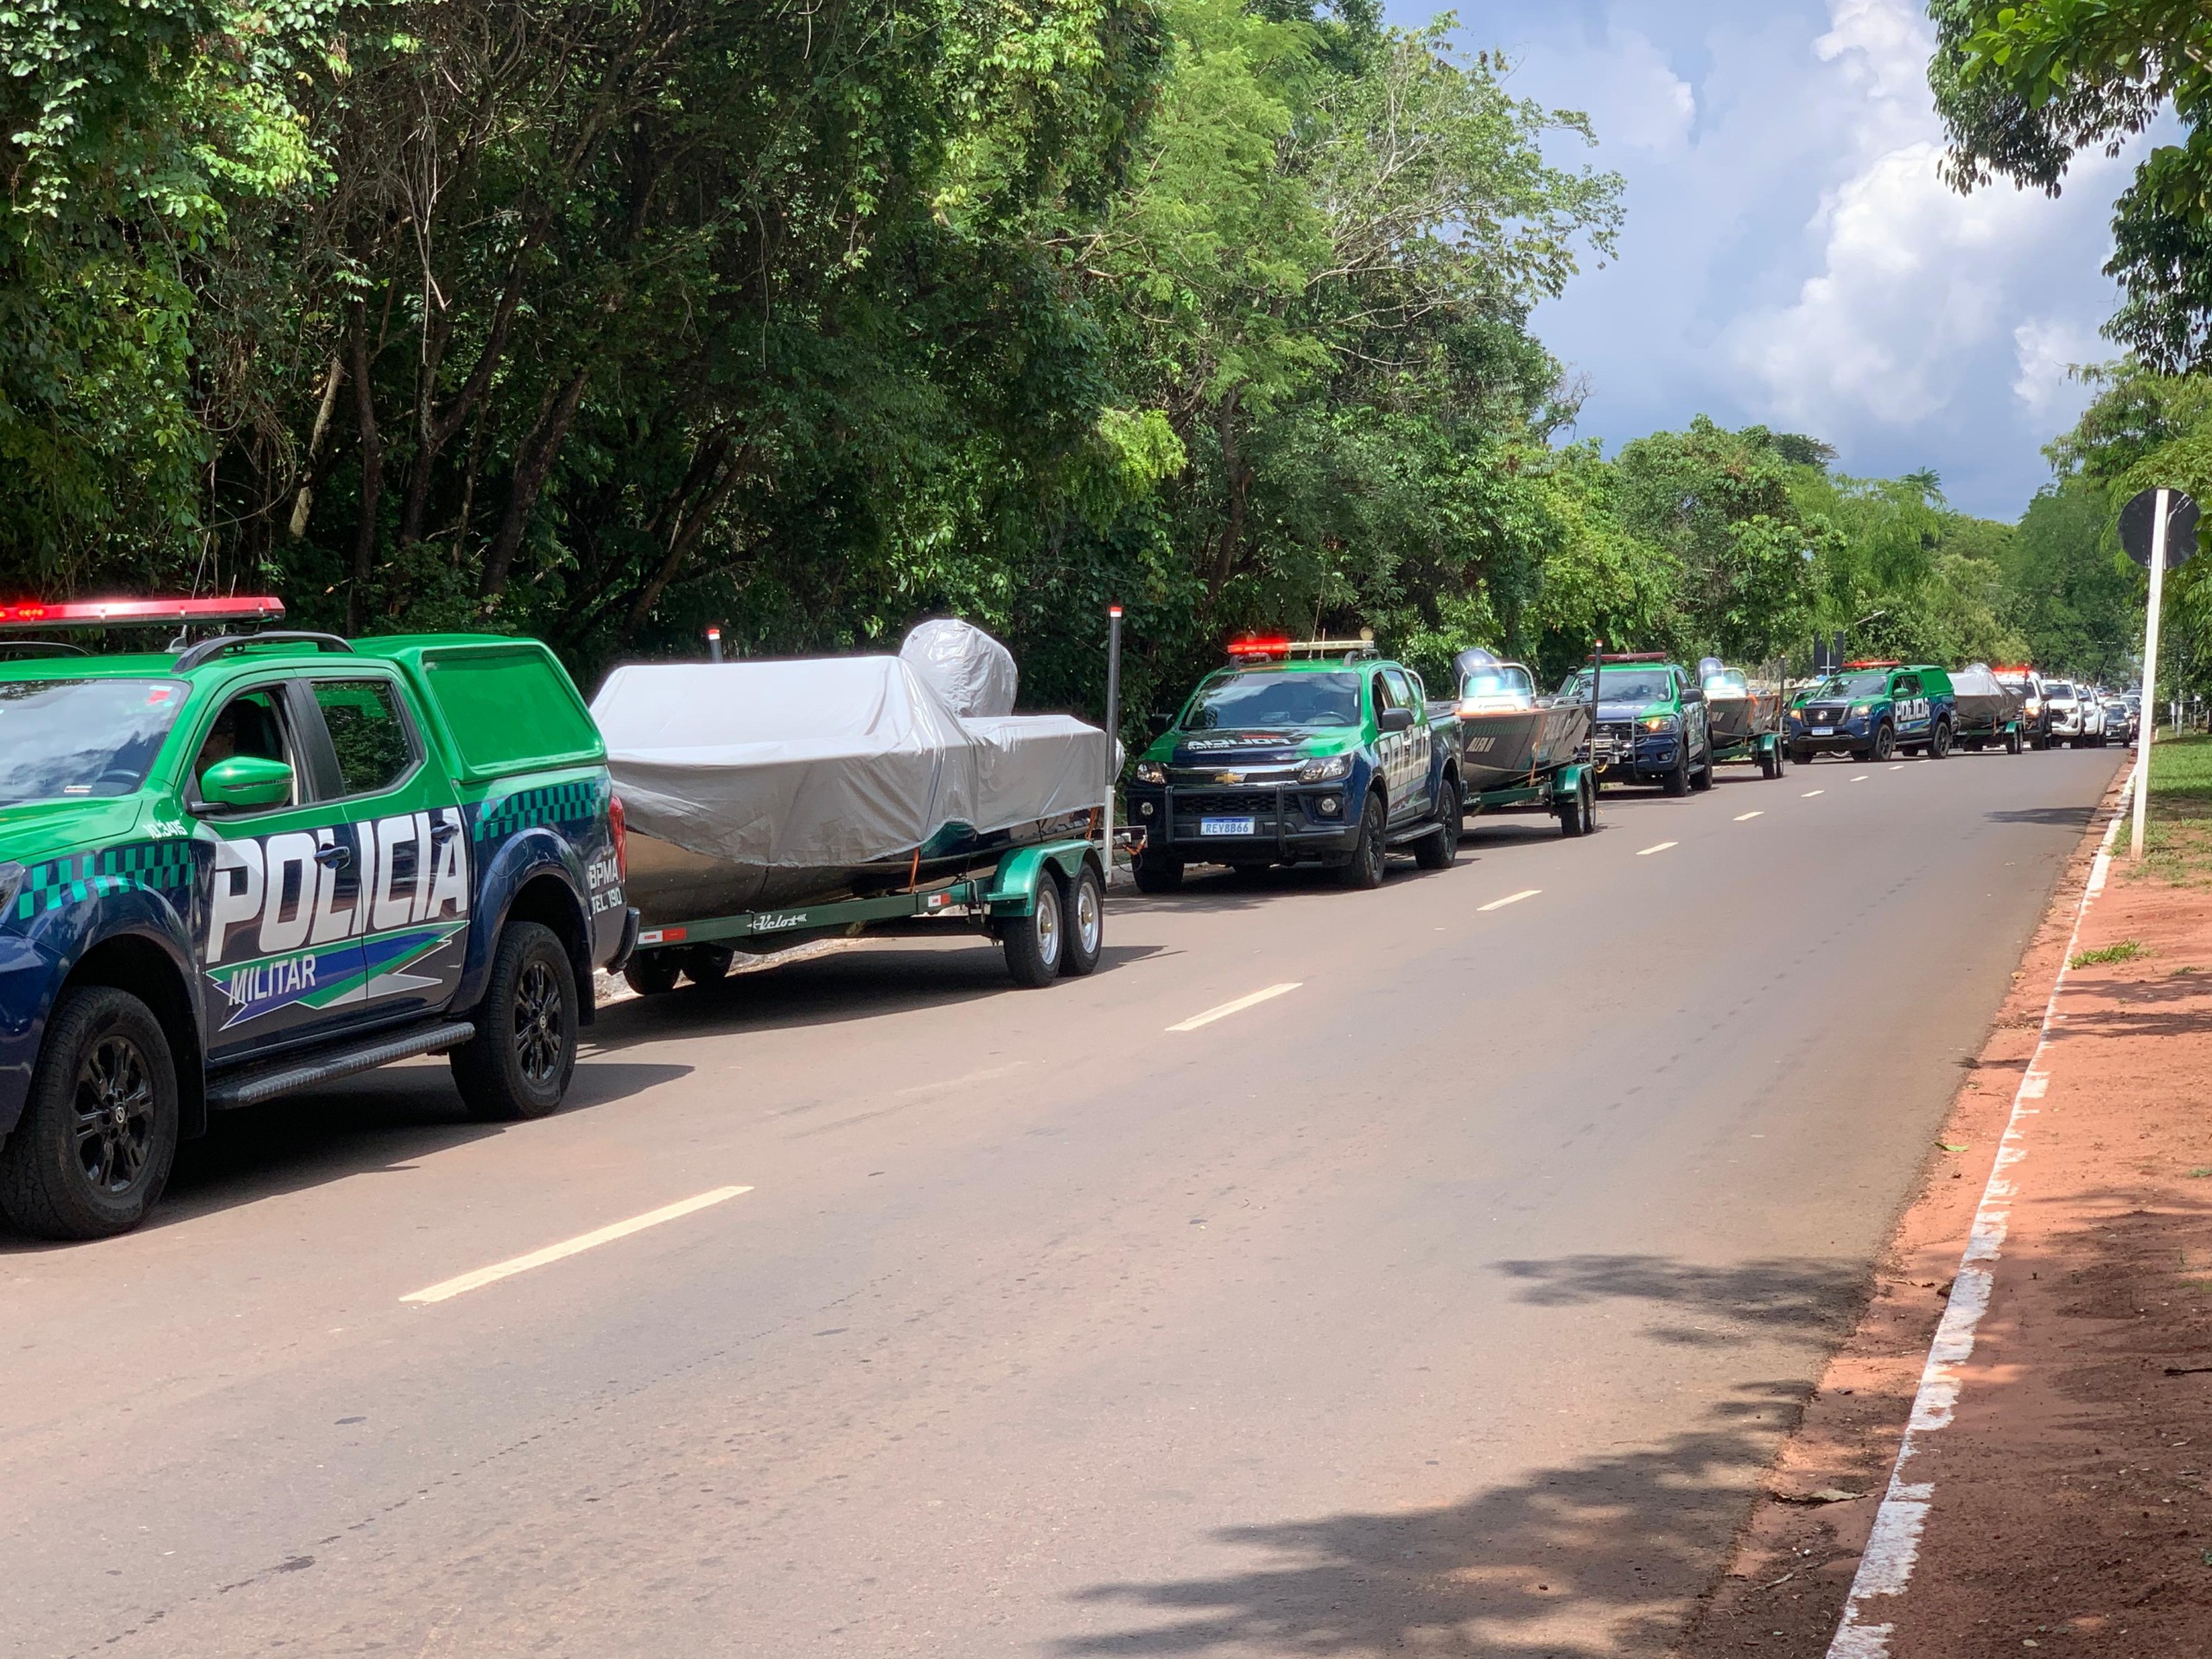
(1659, 723)
(1860, 710)
(1325, 770)
(1151, 771)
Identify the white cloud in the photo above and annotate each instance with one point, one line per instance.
(2049, 350)
(1648, 106)
(1916, 284)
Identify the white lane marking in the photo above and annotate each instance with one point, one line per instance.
(1237, 1006)
(1511, 899)
(1811, 792)
(1746, 818)
(1660, 847)
(1893, 1548)
(1897, 768)
(1860, 779)
(499, 1270)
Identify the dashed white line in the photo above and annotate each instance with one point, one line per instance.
(1811, 792)
(448, 1289)
(1658, 846)
(1511, 899)
(1237, 1006)
(1746, 818)
(1860, 779)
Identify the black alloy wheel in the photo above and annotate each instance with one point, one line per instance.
(1439, 848)
(1677, 780)
(1364, 870)
(1703, 779)
(1885, 742)
(525, 1050)
(98, 1132)
(1940, 744)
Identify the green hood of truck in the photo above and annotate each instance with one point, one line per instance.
(49, 830)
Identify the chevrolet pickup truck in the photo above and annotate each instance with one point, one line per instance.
(1319, 751)
(244, 865)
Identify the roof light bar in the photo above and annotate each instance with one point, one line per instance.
(1875, 662)
(1633, 656)
(120, 613)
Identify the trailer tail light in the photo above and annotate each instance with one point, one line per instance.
(617, 822)
(116, 613)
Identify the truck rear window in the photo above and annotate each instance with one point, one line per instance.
(62, 740)
(510, 709)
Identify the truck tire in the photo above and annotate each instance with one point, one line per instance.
(525, 1050)
(652, 973)
(1939, 745)
(98, 1134)
(1035, 943)
(1885, 743)
(1364, 870)
(1677, 782)
(1086, 924)
(1703, 779)
(1439, 849)
(1157, 872)
(1803, 757)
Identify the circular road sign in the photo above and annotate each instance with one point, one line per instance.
(2136, 522)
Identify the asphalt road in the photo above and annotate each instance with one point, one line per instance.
(1449, 1302)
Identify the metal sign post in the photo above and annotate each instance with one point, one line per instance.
(1113, 725)
(2157, 528)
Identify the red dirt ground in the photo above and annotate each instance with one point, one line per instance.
(2073, 1511)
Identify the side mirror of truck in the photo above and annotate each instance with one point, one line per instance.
(245, 782)
(1396, 720)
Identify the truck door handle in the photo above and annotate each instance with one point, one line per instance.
(335, 856)
(444, 830)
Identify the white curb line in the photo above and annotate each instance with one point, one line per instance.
(1893, 1547)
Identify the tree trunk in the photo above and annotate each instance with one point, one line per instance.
(531, 465)
(683, 536)
(364, 414)
(1236, 479)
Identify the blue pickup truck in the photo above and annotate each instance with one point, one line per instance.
(237, 867)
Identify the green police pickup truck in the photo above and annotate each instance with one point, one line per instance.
(1317, 751)
(1652, 724)
(1870, 711)
(237, 867)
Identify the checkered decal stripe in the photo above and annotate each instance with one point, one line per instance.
(579, 799)
(162, 865)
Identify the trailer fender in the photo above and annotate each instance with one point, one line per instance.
(1570, 778)
(1014, 884)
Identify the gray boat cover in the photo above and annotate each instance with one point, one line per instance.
(973, 672)
(1979, 695)
(829, 762)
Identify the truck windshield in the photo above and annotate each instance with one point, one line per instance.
(2058, 688)
(1873, 685)
(1624, 685)
(61, 739)
(1275, 698)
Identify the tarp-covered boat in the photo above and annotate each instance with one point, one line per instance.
(750, 786)
(1508, 732)
(1984, 709)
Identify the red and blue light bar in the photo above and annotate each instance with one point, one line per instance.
(125, 613)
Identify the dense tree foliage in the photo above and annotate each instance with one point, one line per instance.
(2025, 85)
(606, 319)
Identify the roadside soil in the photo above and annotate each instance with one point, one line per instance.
(2073, 1502)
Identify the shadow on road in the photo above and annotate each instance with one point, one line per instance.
(2059, 817)
(1811, 1300)
(1600, 1556)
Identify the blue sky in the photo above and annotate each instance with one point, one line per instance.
(1790, 256)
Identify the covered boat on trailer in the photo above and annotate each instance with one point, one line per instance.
(767, 801)
(1987, 713)
(1518, 746)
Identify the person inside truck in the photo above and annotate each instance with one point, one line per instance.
(248, 725)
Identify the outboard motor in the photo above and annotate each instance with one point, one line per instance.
(1469, 661)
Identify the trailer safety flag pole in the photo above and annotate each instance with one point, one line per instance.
(1113, 725)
